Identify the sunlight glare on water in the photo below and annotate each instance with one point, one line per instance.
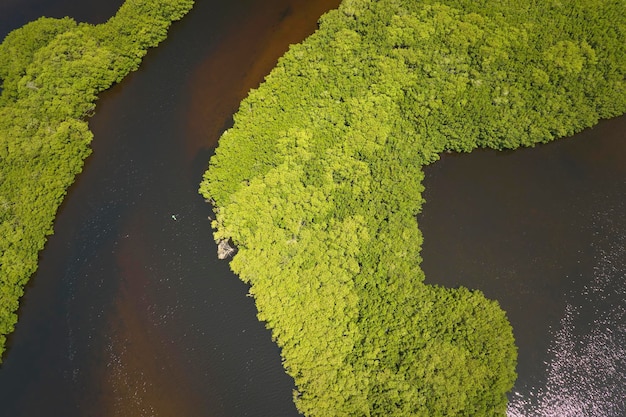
(586, 373)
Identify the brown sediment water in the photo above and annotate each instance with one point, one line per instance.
(239, 63)
(131, 313)
(140, 373)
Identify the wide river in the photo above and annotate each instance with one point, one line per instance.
(131, 313)
(543, 231)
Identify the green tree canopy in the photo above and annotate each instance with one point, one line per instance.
(319, 182)
(51, 71)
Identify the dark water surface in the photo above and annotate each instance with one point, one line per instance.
(543, 231)
(16, 13)
(130, 312)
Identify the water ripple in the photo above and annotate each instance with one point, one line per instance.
(586, 372)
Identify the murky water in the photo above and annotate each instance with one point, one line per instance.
(543, 231)
(131, 313)
(585, 366)
(16, 13)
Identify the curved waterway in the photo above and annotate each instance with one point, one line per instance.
(543, 231)
(130, 312)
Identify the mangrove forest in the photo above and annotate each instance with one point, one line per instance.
(51, 71)
(318, 185)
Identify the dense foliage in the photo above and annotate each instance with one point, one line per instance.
(319, 181)
(51, 71)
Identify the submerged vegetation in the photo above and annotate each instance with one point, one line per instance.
(51, 71)
(319, 182)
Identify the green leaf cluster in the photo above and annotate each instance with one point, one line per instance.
(319, 181)
(51, 71)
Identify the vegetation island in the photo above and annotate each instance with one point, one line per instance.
(319, 182)
(51, 71)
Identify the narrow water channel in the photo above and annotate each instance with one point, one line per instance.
(130, 312)
(543, 231)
